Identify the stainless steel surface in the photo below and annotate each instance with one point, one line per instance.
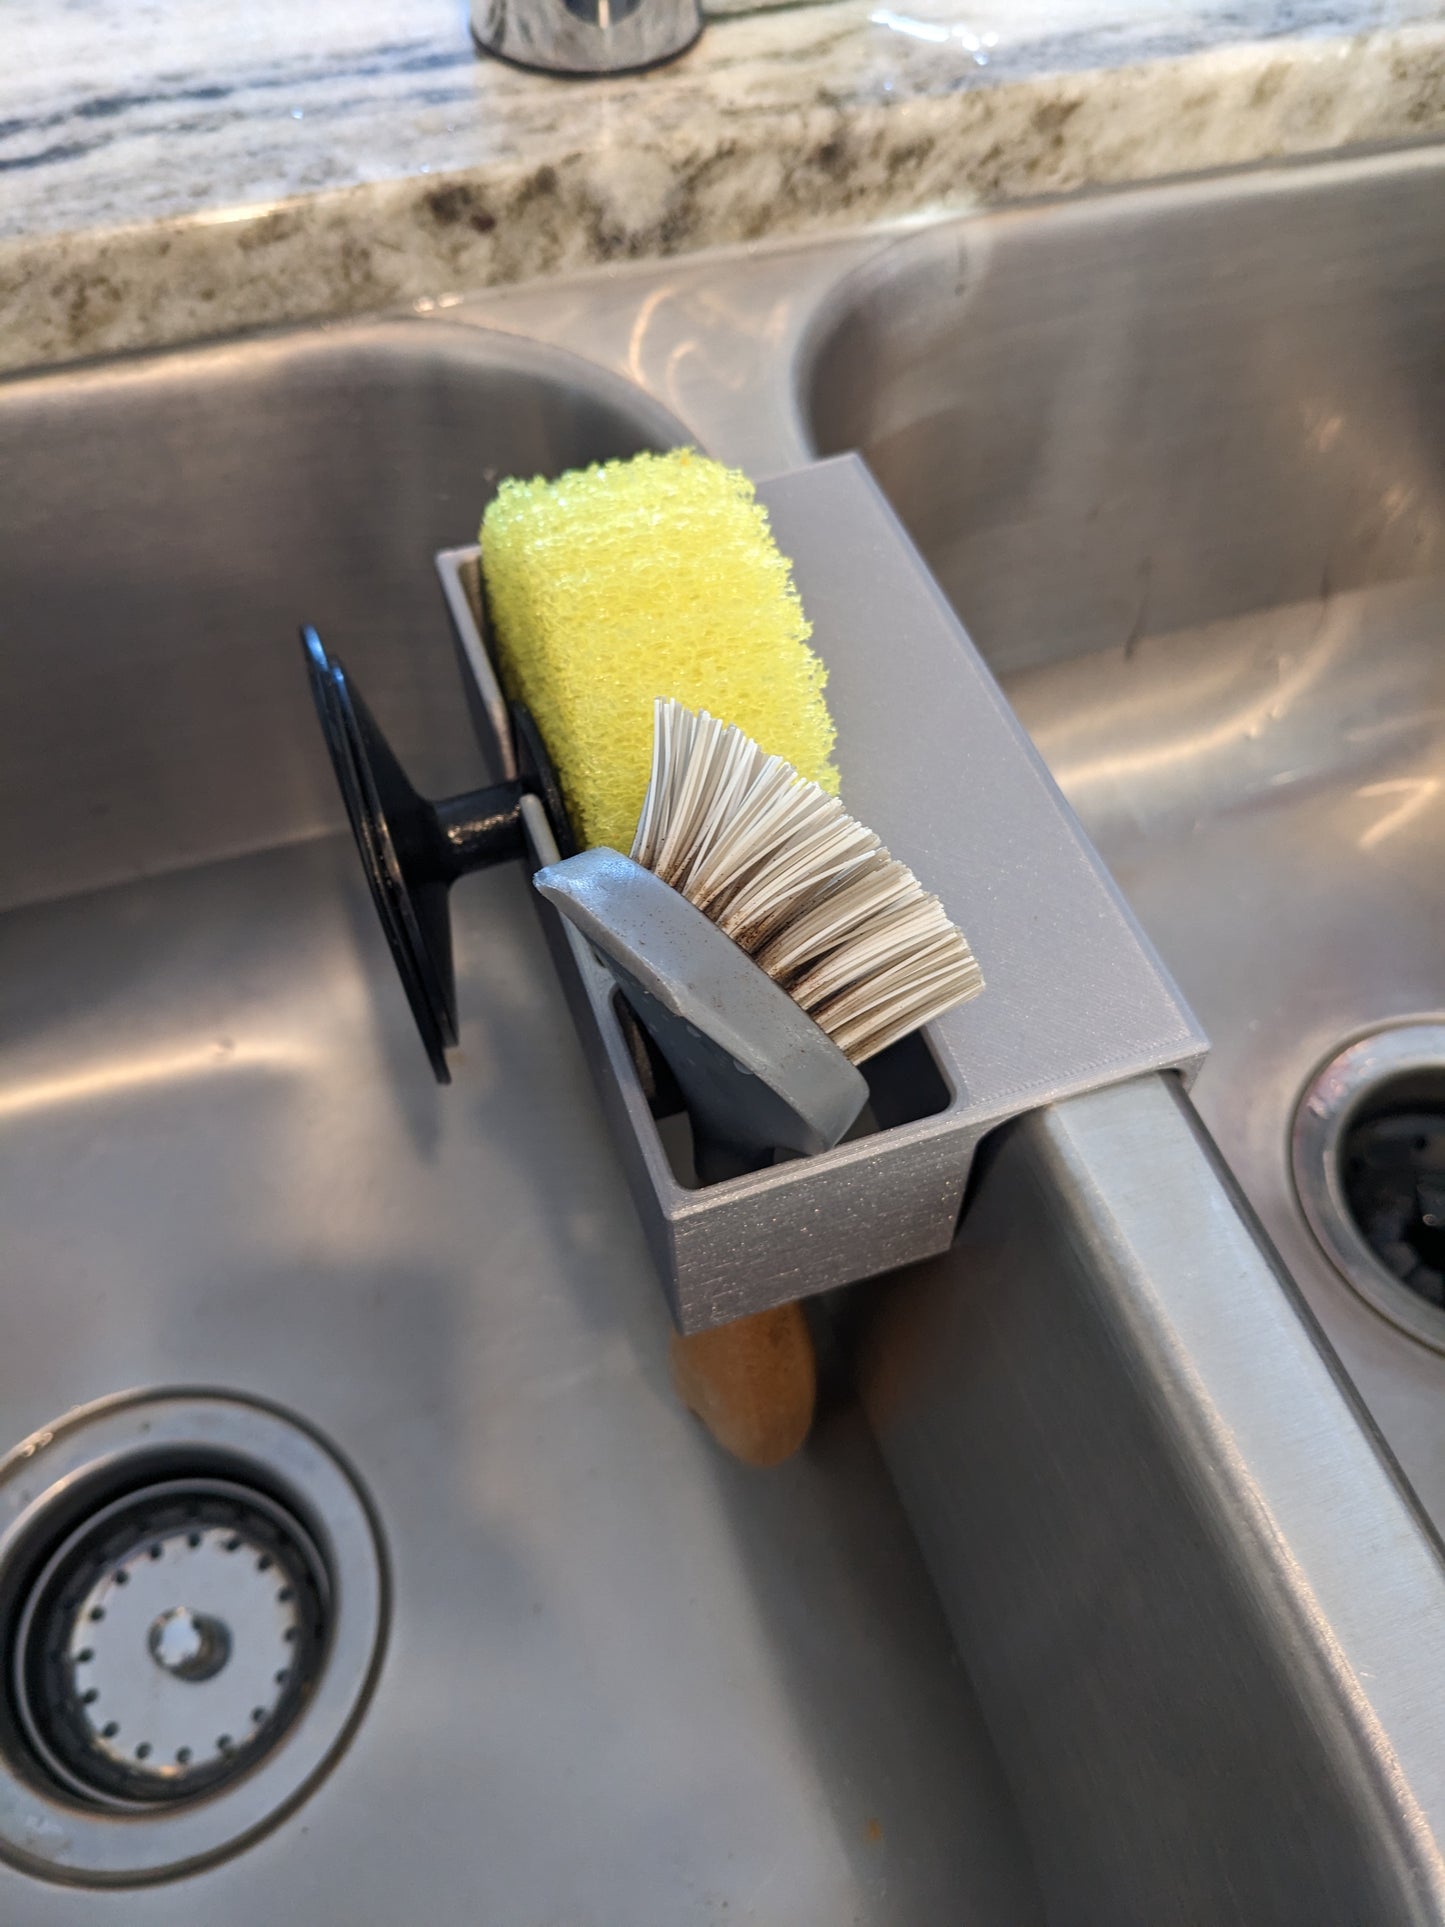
(626, 1681)
(926, 744)
(187, 565)
(104, 1519)
(1292, 878)
(1172, 1549)
(1179, 459)
(1201, 1617)
(1362, 1073)
(586, 36)
(1143, 414)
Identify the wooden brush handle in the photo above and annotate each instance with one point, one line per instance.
(753, 1383)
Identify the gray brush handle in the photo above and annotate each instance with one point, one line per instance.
(758, 1074)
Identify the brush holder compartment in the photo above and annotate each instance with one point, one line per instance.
(932, 759)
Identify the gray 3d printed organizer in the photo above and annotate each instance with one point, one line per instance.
(934, 760)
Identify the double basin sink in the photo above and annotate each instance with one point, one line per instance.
(1109, 1588)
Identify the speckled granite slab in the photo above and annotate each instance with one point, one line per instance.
(178, 168)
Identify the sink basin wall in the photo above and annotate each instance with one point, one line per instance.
(178, 518)
(1140, 415)
(1194, 1603)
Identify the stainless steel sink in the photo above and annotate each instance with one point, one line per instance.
(1115, 1607)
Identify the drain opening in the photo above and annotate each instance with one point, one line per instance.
(1369, 1167)
(1394, 1185)
(192, 1609)
(169, 1641)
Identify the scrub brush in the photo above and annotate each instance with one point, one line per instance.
(812, 897)
(767, 940)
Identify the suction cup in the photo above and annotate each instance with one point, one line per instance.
(414, 850)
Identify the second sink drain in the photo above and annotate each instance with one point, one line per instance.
(186, 1581)
(1369, 1166)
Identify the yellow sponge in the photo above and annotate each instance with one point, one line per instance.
(634, 579)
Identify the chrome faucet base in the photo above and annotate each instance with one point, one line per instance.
(580, 38)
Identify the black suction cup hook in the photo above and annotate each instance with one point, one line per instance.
(414, 850)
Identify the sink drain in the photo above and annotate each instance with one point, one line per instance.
(170, 1641)
(1369, 1166)
(192, 1601)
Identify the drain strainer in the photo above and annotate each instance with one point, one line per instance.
(1369, 1166)
(169, 1641)
(192, 1600)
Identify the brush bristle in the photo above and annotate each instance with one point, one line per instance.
(661, 572)
(809, 893)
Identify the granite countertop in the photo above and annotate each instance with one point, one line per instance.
(171, 169)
